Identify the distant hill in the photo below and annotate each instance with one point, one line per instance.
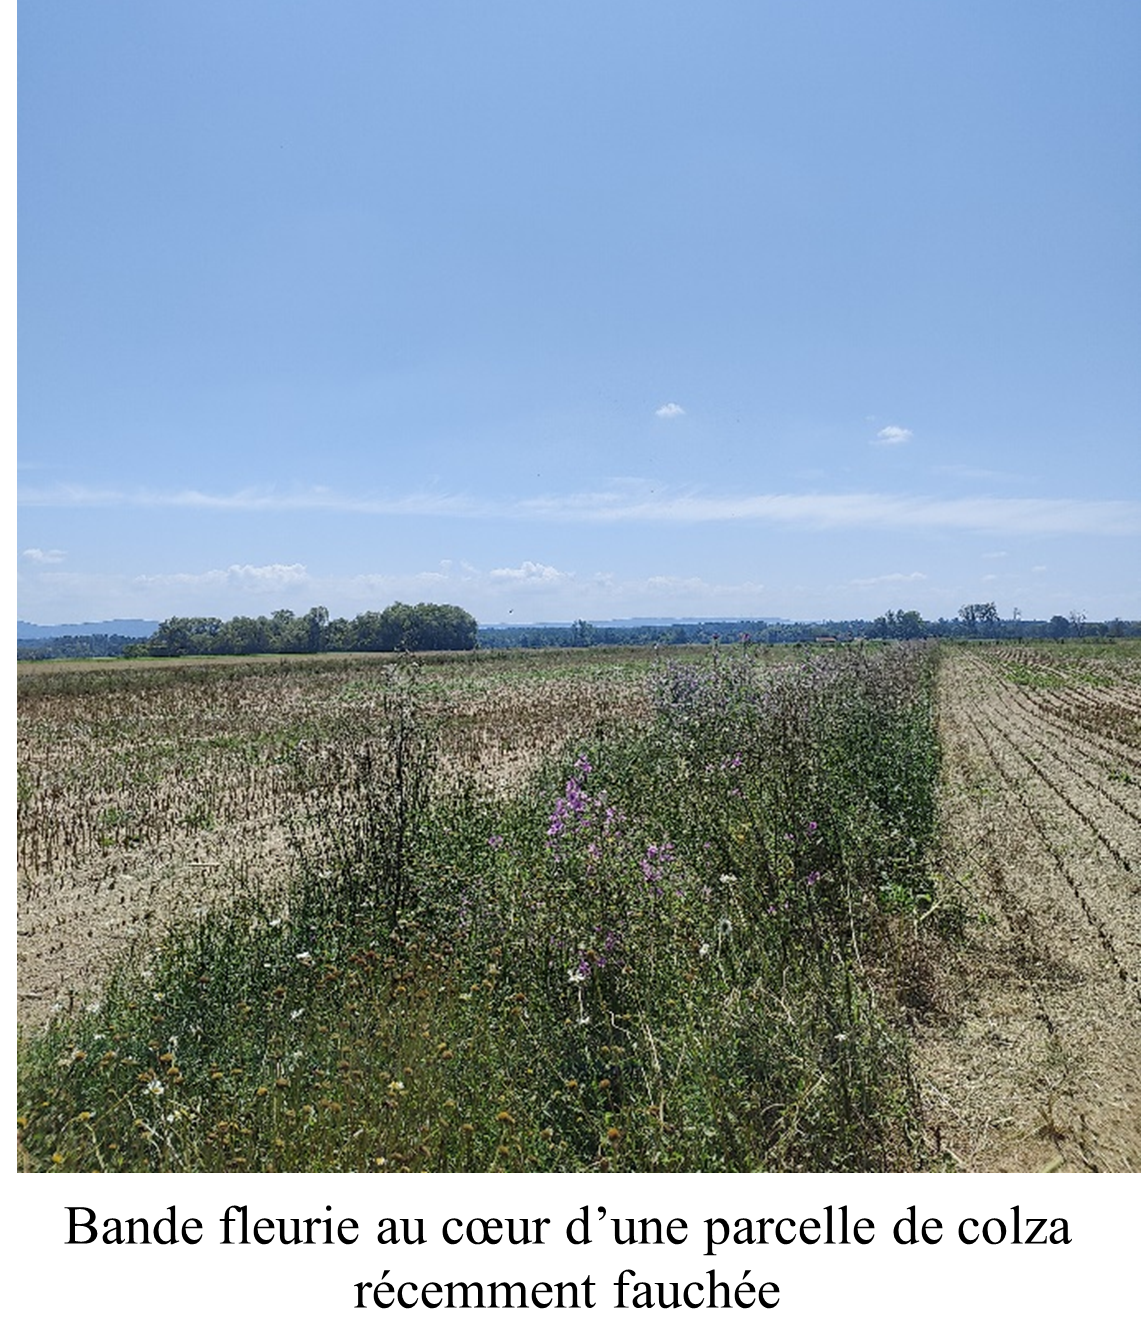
(42, 632)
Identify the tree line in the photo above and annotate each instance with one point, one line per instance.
(972, 621)
(400, 627)
(427, 627)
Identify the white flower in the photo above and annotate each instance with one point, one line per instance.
(296, 1014)
(156, 1087)
(704, 950)
(305, 957)
(728, 879)
(576, 978)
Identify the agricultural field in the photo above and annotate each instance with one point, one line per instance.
(1041, 832)
(145, 790)
(860, 908)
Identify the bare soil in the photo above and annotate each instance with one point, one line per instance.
(73, 925)
(1035, 1062)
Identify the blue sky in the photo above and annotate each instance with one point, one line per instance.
(579, 310)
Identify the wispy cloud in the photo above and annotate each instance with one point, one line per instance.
(881, 511)
(893, 436)
(669, 410)
(889, 579)
(650, 504)
(45, 555)
(318, 499)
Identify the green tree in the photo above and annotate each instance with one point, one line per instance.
(288, 633)
(316, 622)
(423, 627)
(186, 637)
(367, 631)
(339, 635)
(243, 636)
(980, 619)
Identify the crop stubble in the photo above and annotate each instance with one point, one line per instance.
(1042, 832)
(166, 788)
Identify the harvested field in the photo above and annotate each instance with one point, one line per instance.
(147, 790)
(1041, 1066)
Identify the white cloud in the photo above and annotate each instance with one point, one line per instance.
(644, 502)
(669, 411)
(242, 577)
(316, 499)
(530, 572)
(893, 436)
(891, 578)
(273, 574)
(45, 555)
(882, 511)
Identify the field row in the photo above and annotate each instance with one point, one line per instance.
(1042, 831)
(1081, 791)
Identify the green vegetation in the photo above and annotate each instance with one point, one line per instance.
(421, 628)
(686, 944)
(398, 628)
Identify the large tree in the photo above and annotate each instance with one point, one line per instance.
(980, 619)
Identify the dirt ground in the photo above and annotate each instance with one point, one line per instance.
(1035, 1063)
(71, 925)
